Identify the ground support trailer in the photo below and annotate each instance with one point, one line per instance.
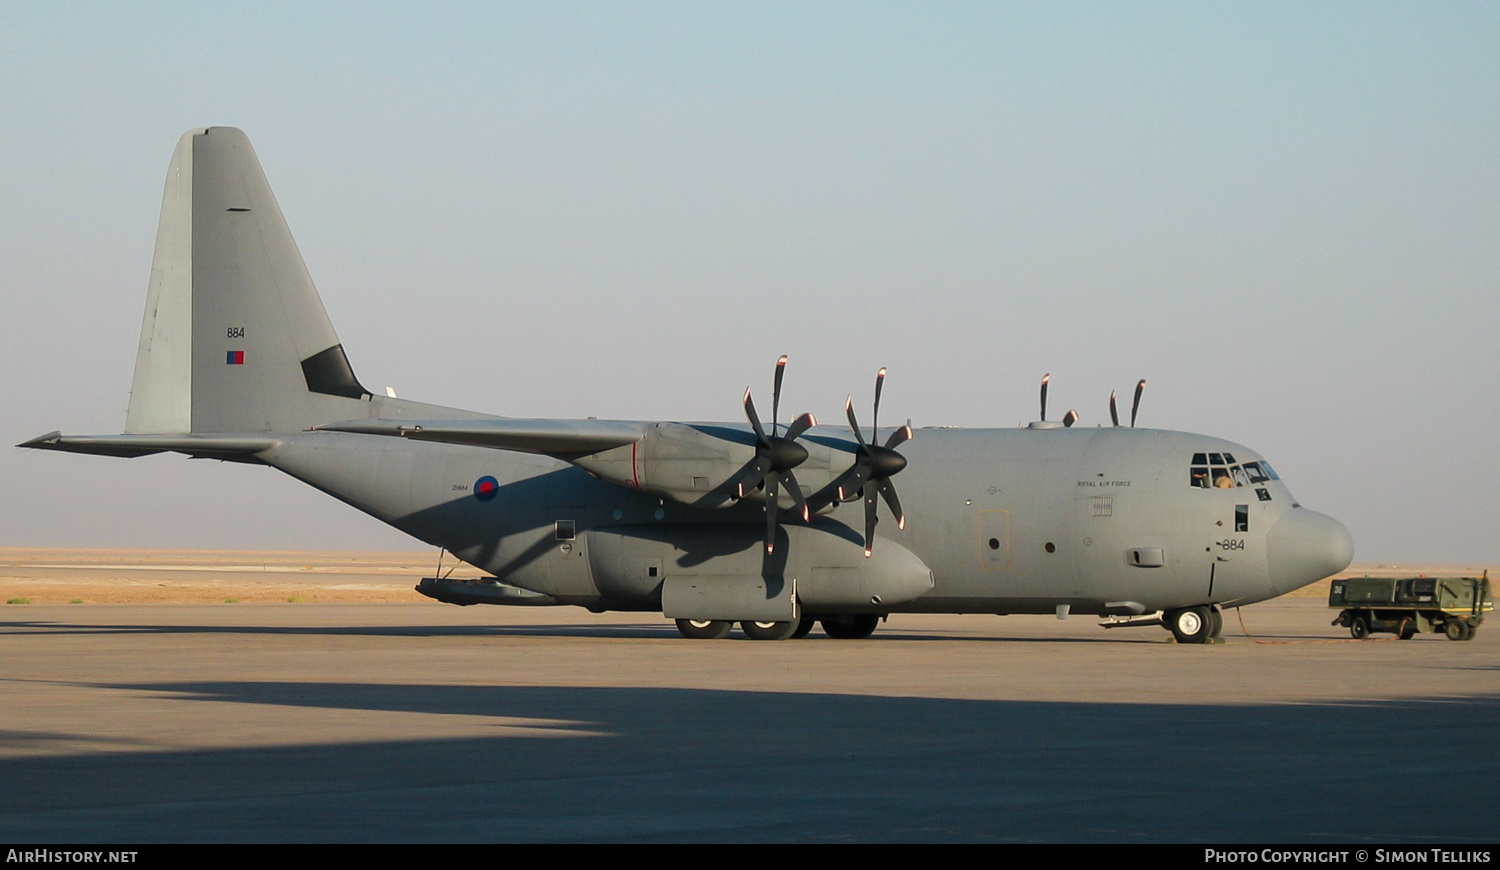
(1454, 606)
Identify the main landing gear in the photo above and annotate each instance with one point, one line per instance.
(1201, 624)
(704, 629)
(843, 626)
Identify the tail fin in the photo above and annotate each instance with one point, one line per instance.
(235, 338)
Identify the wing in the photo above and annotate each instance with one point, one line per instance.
(563, 439)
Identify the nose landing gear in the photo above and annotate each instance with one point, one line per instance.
(1201, 624)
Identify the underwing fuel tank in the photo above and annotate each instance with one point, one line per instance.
(830, 571)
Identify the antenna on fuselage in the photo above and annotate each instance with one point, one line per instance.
(1045, 378)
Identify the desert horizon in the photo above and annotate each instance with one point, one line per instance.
(62, 575)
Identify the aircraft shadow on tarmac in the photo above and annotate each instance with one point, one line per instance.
(680, 764)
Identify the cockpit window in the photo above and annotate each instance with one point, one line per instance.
(1254, 472)
(1219, 471)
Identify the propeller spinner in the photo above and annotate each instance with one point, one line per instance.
(874, 466)
(775, 457)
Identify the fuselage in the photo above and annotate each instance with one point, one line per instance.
(1106, 520)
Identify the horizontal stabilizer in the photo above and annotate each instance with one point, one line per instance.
(232, 447)
(560, 438)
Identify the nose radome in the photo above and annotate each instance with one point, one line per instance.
(1304, 547)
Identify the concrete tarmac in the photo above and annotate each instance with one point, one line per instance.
(312, 722)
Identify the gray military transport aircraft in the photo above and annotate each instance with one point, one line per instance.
(771, 526)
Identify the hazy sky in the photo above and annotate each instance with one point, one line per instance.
(1285, 217)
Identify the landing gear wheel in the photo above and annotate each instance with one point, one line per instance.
(1359, 627)
(1216, 624)
(804, 626)
(704, 629)
(854, 626)
(1190, 624)
(769, 630)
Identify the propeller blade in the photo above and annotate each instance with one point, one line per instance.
(875, 415)
(853, 423)
(776, 393)
(1045, 378)
(771, 511)
(1136, 405)
(851, 482)
(751, 477)
(898, 437)
(1069, 419)
(1114, 415)
(870, 520)
(888, 490)
(800, 425)
(795, 492)
(754, 417)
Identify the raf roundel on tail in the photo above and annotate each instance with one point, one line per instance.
(767, 524)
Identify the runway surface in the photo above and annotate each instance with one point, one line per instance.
(313, 722)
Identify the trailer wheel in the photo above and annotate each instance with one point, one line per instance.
(1359, 627)
(1408, 630)
(1456, 629)
(1473, 630)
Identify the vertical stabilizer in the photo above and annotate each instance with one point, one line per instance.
(235, 338)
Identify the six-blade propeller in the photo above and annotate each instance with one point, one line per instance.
(775, 457)
(873, 467)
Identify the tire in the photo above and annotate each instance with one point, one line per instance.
(804, 627)
(1455, 629)
(1473, 630)
(1408, 630)
(1190, 624)
(1359, 627)
(1216, 624)
(854, 626)
(769, 630)
(704, 629)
